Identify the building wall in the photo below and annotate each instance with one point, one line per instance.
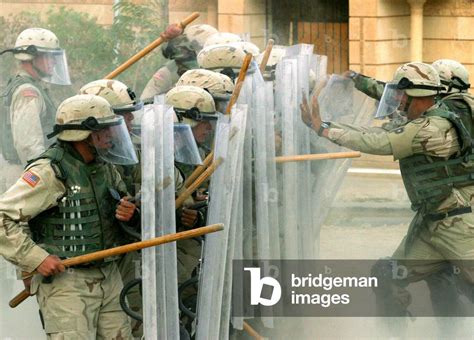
(244, 16)
(238, 16)
(101, 9)
(449, 31)
(379, 34)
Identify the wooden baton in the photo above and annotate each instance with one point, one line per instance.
(317, 156)
(195, 185)
(266, 55)
(102, 254)
(235, 95)
(154, 44)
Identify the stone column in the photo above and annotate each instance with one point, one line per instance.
(416, 34)
(212, 13)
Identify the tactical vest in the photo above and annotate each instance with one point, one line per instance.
(463, 105)
(46, 117)
(84, 220)
(430, 180)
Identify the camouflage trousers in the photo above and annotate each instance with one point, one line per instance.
(445, 246)
(448, 240)
(82, 303)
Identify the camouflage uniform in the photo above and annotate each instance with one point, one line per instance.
(73, 304)
(162, 81)
(461, 104)
(181, 52)
(449, 238)
(68, 205)
(185, 99)
(29, 116)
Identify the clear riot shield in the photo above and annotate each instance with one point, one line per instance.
(329, 174)
(160, 287)
(214, 245)
(248, 226)
(215, 281)
(292, 84)
(286, 91)
(235, 168)
(271, 195)
(336, 99)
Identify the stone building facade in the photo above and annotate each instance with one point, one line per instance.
(370, 36)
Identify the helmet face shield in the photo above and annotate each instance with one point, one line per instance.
(52, 66)
(185, 147)
(113, 143)
(392, 99)
(135, 125)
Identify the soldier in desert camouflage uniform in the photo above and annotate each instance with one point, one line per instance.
(442, 228)
(65, 197)
(193, 106)
(181, 52)
(455, 81)
(29, 111)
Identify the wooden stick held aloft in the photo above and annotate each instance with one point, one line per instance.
(235, 95)
(266, 55)
(148, 49)
(198, 171)
(240, 82)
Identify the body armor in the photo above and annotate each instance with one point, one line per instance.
(463, 105)
(83, 222)
(430, 180)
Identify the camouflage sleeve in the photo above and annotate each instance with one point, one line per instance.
(27, 105)
(118, 182)
(432, 136)
(371, 87)
(178, 180)
(374, 129)
(161, 82)
(37, 190)
(376, 143)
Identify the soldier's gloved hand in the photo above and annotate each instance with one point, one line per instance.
(51, 265)
(189, 217)
(125, 210)
(172, 31)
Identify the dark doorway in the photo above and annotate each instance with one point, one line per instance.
(323, 23)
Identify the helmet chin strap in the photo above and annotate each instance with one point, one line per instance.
(91, 146)
(404, 110)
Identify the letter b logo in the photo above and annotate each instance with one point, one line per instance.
(256, 286)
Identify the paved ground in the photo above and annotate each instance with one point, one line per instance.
(368, 220)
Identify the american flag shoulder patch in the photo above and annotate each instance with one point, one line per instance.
(30, 178)
(29, 93)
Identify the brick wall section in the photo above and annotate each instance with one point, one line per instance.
(243, 16)
(378, 36)
(101, 9)
(449, 31)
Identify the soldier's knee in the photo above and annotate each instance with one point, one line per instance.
(391, 296)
